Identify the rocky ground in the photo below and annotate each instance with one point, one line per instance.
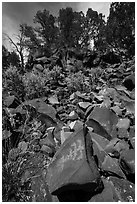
(74, 144)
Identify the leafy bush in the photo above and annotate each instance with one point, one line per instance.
(77, 82)
(34, 84)
(12, 82)
(12, 189)
(55, 74)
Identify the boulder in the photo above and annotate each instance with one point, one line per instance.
(127, 164)
(107, 122)
(12, 102)
(124, 189)
(69, 172)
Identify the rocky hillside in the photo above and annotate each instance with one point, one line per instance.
(73, 136)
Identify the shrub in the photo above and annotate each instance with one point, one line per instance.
(77, 82)
(55, 74)
(34, 84)
(12, 82)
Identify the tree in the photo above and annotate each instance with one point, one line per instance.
(14, 59)
(78, 28)
(19, 47)
(47, 30)
(27, 43)
(95, 27)
(121, 26)
(31, 40)
(71, 25)
(65, 20)
(9, 58)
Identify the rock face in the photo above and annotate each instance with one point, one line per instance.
(102, 125)
(115, 190)
(124, 189)
(12, 101)
(70, 171)
(127, 164)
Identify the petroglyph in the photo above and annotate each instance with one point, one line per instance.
(75, 153)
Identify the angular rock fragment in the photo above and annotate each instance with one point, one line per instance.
(47, 150)
(99, 144)
(69, 172)
(123, 123)
(117, 110)
(53, 100)
(84, 105)
(111, 165)
(105, 117)
(120, 88)
(130, 107)
(127, 164)
(47, 110)
(81, 113)
(106, 103)
(65, 133)
(116, 145)
(89, 110)
(11, 102)
(47, 141)
(124, 189)
(73, 116)
(122, 133)
(72, 96)
(107, 195)
(76, 125)
(122, 128)
(98, 129)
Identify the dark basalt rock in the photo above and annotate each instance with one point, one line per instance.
(12, 102)
(111, 165)
(124, 189)
(127, 164)
(98, 129)
(107, 195)
(103, 121)
(73, 171)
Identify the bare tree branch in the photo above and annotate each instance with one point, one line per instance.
(12, 42)
(18, 49)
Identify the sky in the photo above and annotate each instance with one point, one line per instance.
(15, 13)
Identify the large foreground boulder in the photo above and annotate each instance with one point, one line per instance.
(73, 174)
